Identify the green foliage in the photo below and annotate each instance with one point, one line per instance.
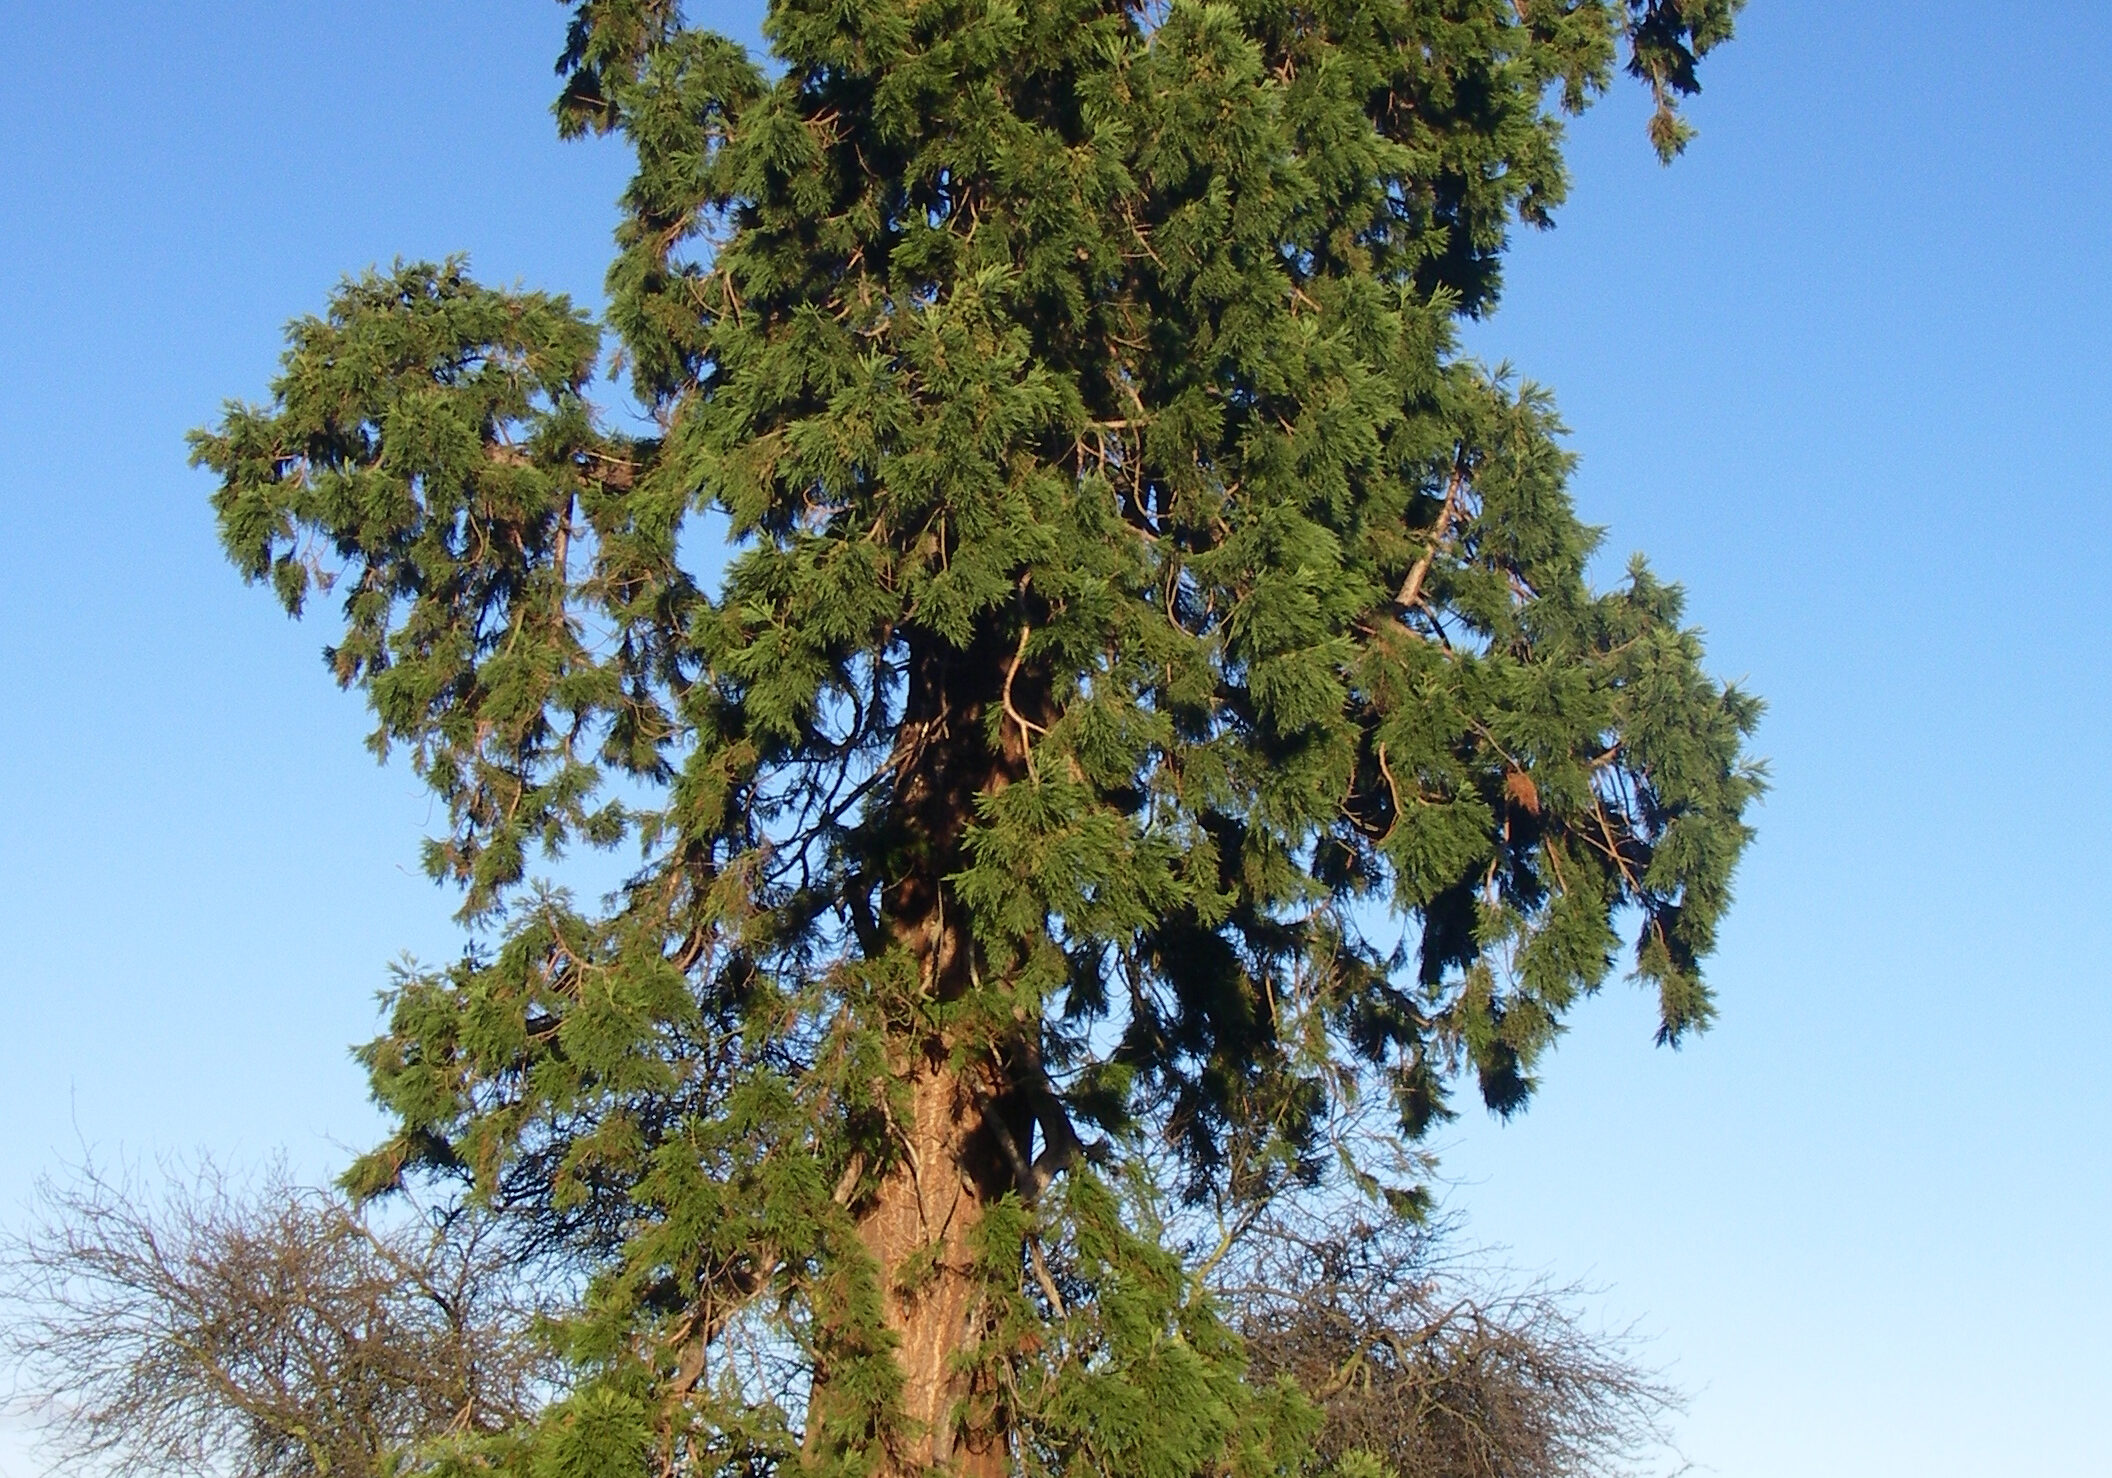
(1128, 573)
(1362, 1465)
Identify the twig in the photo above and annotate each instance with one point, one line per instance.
(1412, 588)
(1041, 1275)
(1027, 728)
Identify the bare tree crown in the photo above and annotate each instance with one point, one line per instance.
(262, 1329)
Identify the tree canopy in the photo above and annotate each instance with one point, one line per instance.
(1152, 735)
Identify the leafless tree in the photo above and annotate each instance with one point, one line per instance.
(1433, 1363)
(261, 1329)
(264, 1329)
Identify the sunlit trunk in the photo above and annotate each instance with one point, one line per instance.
(921, 1229)
(947, 1166)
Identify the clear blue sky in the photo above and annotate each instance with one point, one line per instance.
(1845, 371)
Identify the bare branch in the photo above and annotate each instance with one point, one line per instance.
(1434, 1365)
(265, 1330)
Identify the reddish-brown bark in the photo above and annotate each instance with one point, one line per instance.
(949, 1165)
(923, 1221)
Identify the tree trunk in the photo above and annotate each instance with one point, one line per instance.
(921, 1226)
(926, 1214)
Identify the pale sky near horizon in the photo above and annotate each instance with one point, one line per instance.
(1845, 371)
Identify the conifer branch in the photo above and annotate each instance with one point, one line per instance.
(1411, 592)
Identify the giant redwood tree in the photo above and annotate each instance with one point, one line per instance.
(1101, 699)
